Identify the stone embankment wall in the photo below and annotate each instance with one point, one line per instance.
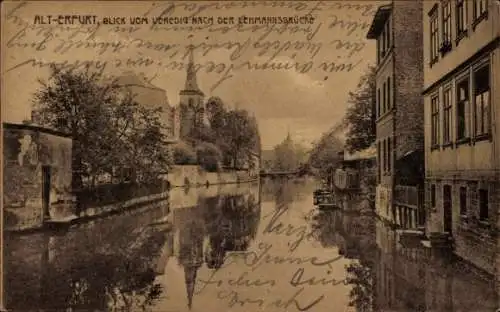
(67, 211)
(180, 176)
(192, 175)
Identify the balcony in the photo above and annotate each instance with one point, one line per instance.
(408, 196)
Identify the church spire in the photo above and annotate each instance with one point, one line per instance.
(191, 81)
(288, 136)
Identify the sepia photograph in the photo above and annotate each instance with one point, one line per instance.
(246, 156)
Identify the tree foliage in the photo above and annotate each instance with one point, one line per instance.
(234, 133)
(209, 156)
(360, 115)
(111, 132)
(324, 156)
(240, 132)
(184, 154)
(325, 152)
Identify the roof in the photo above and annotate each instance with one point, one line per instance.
(133, 79)
(191, 81)
(381, 16)
(35, 128)
(368, 153)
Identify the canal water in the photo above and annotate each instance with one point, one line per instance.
(252, 247)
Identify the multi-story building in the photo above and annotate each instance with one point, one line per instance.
(461, 97)
(399, 111)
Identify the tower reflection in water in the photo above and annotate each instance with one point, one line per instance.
(116, 263)
(207, 232)
(388, 274)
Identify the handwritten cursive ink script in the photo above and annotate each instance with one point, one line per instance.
(330, 45)
(235, 298)
(300, 233)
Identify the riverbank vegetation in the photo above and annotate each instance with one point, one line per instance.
(230, 140)
(358, 125)
(112, 134)
(359, 120)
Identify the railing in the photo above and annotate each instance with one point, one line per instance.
(407, 196)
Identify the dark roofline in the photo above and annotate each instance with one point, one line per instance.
(8, 125)
(379, 19)
(192, 92)
(141, 86)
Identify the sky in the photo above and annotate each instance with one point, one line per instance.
(305, 98)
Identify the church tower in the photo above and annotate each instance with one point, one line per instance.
(192, 105)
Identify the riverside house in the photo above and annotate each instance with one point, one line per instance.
(399, 111)
(461, 97)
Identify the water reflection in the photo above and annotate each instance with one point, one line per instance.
(216, 225)
(106, 265)
(113, 264)
(394, 275)
(353, 232)
(130, 263)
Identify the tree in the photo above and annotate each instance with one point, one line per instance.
(234, 133)
(324, 155)
(202, 133)
(216, 112)
(110, 130)
(241, 136)
(360, 115)
(209, 156)
(184, 154)
(146, 147)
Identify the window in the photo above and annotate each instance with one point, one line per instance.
(384, 97)
(382, 45)
(384, 151)
(378, 103)
(379, 57)
(434, 38)
(433, 195)
(461, 16)
(462, 109)
(447, 116)
(388, 31)
(435, 120)
(463, 201)
(379, 162)
(481, 101)
(480, 10)
(389, 92)
(389, 153)
(483, 205)
(446, 43)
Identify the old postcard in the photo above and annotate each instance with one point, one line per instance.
(246, 156)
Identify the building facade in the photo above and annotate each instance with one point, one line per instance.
(357, 171)
(461, 91)
(399, 109)
(37, 173)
